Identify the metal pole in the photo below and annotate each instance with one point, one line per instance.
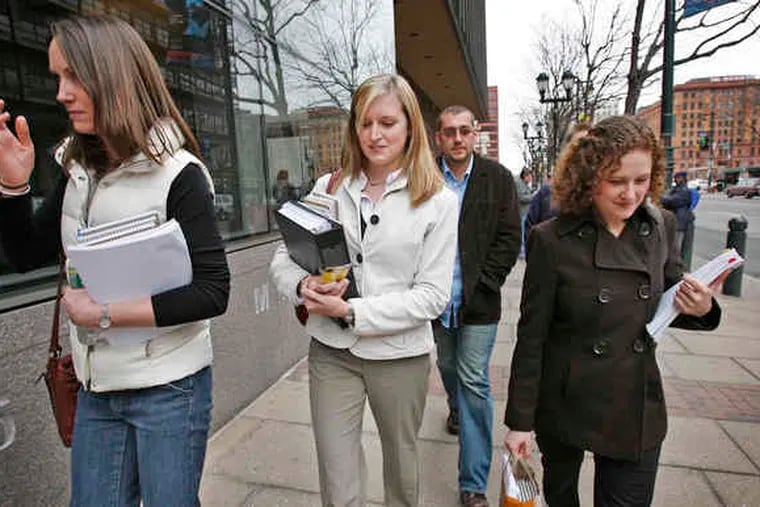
(736, 238)
(666, 118)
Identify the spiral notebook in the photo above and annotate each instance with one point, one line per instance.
(128, 259)
(118, 228)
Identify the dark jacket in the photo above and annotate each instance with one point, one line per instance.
(678, 200)
(584, 368)
(489, 240)
(540, 208)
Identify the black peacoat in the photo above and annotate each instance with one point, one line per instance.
(489, 238)
(584, 368)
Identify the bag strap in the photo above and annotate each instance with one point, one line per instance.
(334, 178)
(55, 346)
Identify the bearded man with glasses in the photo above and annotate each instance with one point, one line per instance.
(488, 245)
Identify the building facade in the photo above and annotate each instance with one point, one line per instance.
(488, 138)
(717, 127)
(265, 91)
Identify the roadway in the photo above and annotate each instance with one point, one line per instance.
(712, 216)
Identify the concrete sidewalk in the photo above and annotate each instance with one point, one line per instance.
(266, 457)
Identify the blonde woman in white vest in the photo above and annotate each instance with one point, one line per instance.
(143, 410)
(400, 224)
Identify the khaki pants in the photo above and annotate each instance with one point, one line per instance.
(339, 384)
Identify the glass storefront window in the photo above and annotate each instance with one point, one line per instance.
(265, 86)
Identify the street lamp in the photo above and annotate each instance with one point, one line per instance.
(554, 98)
(535, 148)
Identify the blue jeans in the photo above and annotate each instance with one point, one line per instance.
(144, 444)
(463, 356)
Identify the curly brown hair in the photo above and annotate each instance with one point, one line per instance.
(587, 159)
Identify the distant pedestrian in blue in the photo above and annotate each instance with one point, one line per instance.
(488, 244)
(678, 200)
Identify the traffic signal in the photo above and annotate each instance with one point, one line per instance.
(704, 141)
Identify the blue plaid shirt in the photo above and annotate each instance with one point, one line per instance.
(449, 316)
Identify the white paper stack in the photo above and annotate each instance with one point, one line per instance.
(322, 203)
(129, 266)
(306, 218)
(666, 310)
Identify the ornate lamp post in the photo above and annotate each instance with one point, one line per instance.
(554, 98)
(535, 148)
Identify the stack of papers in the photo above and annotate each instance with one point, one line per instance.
(666, 310)
(131, 265)
(322, 203)
(305, 217)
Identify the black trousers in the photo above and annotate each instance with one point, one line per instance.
(616, 482)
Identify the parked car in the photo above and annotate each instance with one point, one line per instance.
(747, 187)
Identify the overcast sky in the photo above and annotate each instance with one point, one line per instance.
(511, 34)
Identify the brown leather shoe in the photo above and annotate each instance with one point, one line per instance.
(452, 423)
(470, 499)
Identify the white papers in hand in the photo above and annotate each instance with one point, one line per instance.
(306, 218)
(133, 266)
(666, 310)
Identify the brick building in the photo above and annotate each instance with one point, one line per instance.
(716, 125)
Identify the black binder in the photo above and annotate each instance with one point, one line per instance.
(314, 251)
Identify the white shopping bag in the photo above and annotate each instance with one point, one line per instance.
(519, 487)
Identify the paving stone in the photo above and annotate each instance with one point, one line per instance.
(746, 436)
(701, 443)
(682, 486)
(285, 401)
(753, 365)
(711, 369)
(221, 491)
(714, 400)
(736, 490)
(264, 459)
(714, 344)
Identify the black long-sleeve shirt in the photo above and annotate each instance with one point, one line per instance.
(33, 240)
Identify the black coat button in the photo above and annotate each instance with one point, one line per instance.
(645, 291)
(605, 295)
(359, 258)
(374, 219)
(585, 231)
(601, 347)
(639, 346)
(645, 229)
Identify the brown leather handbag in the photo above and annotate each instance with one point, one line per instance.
(60, 378)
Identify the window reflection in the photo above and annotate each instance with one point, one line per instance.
(265, 86)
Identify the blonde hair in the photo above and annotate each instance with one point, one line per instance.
(424, 177)
(587, 159)
(124, 82)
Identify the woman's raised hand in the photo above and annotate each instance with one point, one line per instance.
(16, 153)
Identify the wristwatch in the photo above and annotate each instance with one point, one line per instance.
(349, 318)
(105, 317)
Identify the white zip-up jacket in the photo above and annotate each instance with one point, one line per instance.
(403, 268)
(137, 186)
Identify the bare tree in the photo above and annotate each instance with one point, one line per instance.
(260, 46)
(342, 50)
(722, 28)
(600, 82)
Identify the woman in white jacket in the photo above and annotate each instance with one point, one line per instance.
(400, 224)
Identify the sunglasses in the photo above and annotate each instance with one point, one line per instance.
(464, 130)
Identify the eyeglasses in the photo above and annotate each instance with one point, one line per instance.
(464, 131)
